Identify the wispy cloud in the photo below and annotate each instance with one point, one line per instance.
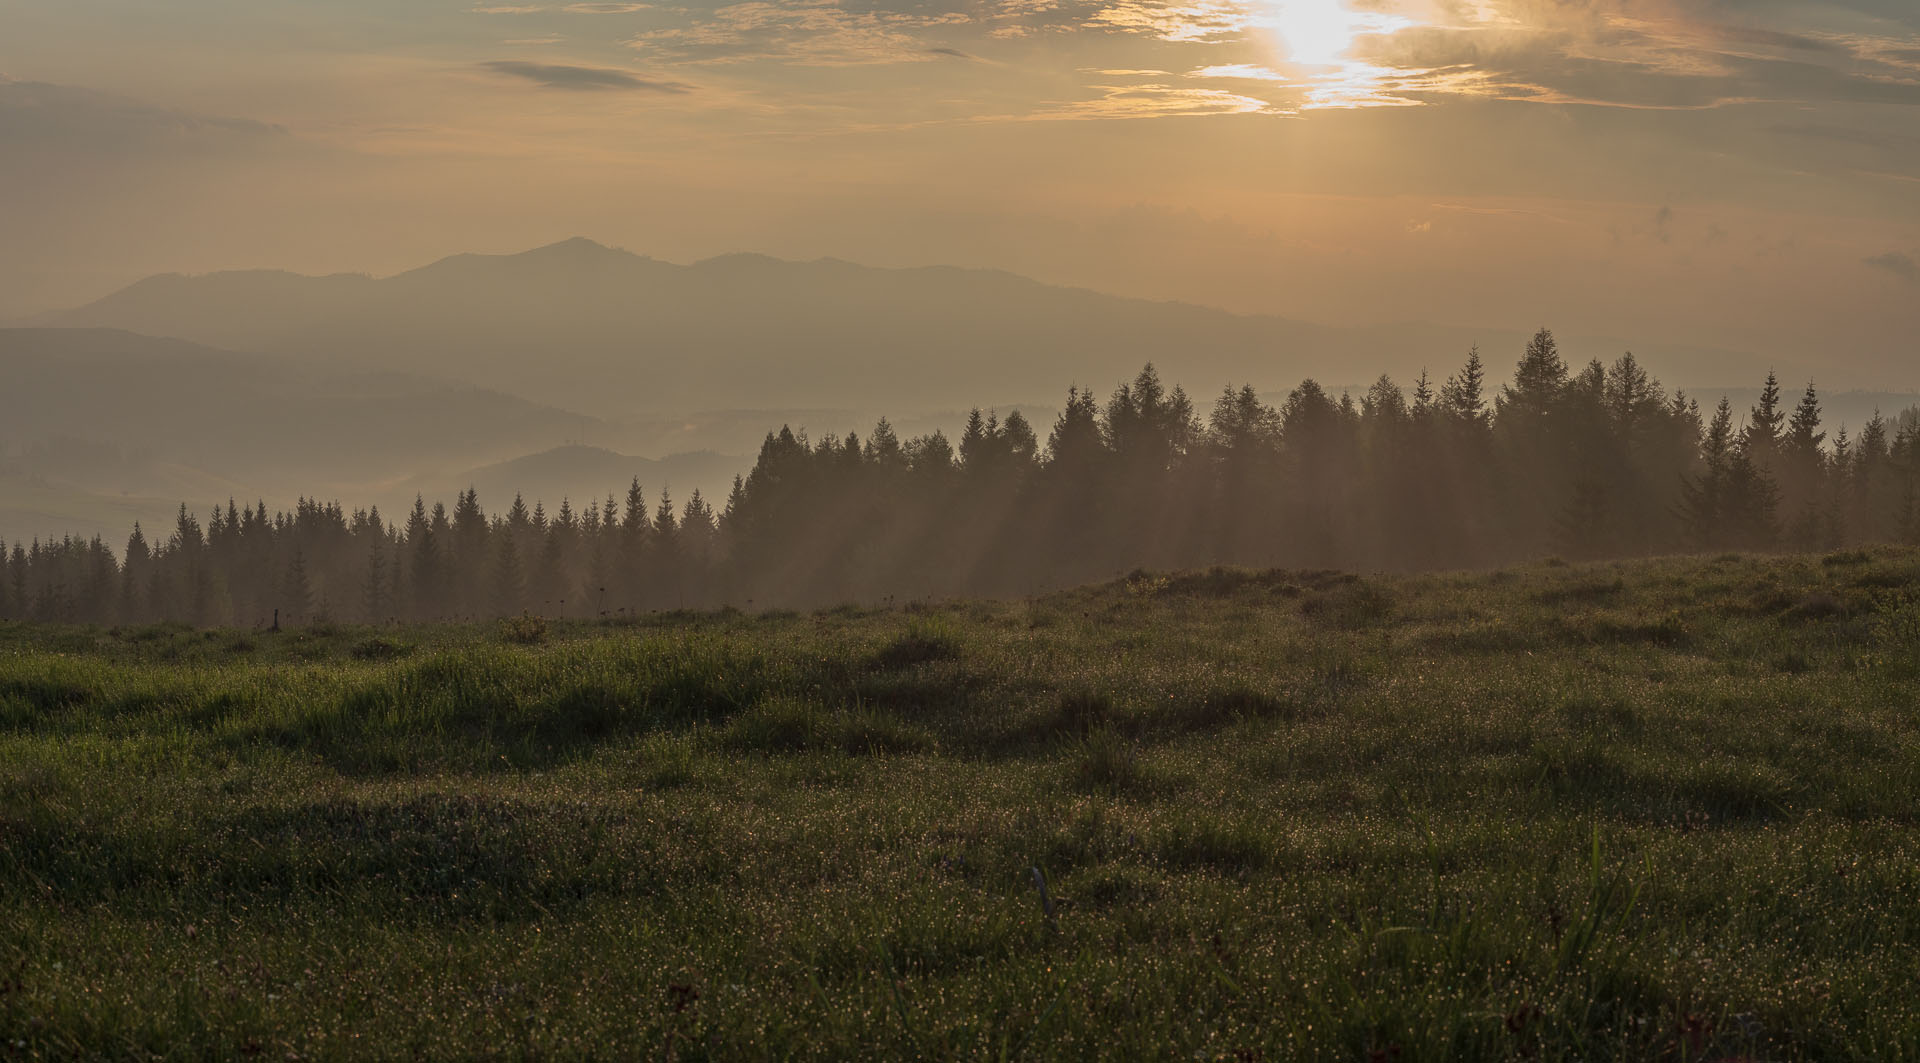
(800, 34)
(1239, 72)
(581, 78)
(1899, 264)
(38, 116)
(1155, 101)
(1179, 21)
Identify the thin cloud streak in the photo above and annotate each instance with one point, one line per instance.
(582, 78)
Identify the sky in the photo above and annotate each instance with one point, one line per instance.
(1735, 174)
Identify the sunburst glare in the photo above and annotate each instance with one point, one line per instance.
(1322, 32)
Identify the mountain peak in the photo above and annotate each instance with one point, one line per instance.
(574, 256)
(574, 247)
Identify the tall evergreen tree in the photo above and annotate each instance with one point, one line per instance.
(509, 586)
(1704, 502)
(1463, 396)
(296, 594)
(374, 593)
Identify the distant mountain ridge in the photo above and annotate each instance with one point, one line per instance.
(252, 417)
(620, 335)
(584, 326)
(96, 424)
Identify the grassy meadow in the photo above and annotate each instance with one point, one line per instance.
(1647, 810)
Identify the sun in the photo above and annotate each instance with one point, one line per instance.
(1313, 32)
(1321, 32)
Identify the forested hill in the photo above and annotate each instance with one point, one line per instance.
(1594, 462)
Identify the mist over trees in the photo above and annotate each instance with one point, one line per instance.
(1588, 463)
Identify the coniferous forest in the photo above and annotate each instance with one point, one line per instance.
(1583, 464)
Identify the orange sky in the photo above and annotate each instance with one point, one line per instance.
(1734, 175)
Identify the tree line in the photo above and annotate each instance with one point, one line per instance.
(1599, 462)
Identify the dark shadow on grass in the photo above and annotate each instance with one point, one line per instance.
(482, 712)
(430, 858)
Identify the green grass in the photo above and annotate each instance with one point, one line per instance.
(1648, 810)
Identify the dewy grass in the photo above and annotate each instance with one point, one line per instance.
(1661, 809)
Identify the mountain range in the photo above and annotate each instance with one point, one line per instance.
(618, 335)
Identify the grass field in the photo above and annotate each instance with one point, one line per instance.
(1649, 810)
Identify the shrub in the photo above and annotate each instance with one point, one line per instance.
(379, 649)
(1110, 763)
(524, 630)
(1081, 711)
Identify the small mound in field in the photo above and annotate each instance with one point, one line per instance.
(1349, 606)
(1818, 606)
(785, 726)
(1080, 711)
(379, 649)
(919, 644)
(1109, 763)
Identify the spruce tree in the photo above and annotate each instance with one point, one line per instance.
(736, 498)
(1761, 437)
(973, 442)
(1704, 501)
(883, 447)
(509, 584)
(424, 573)
(1538, 379)
(374, 593)
(1021, 444)
(1803, 436)
(1463, 396)
(296, 594)
(135, 576)
(1075, 444)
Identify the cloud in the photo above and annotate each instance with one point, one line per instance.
(1156, 101)
(1239, 72)
(1179, 21)
(1843, 135)
(1770, 38)
(605, 9)
(37, 116)
(801, 33)
(1899, 264)
(1629, 54)
(581, 78)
